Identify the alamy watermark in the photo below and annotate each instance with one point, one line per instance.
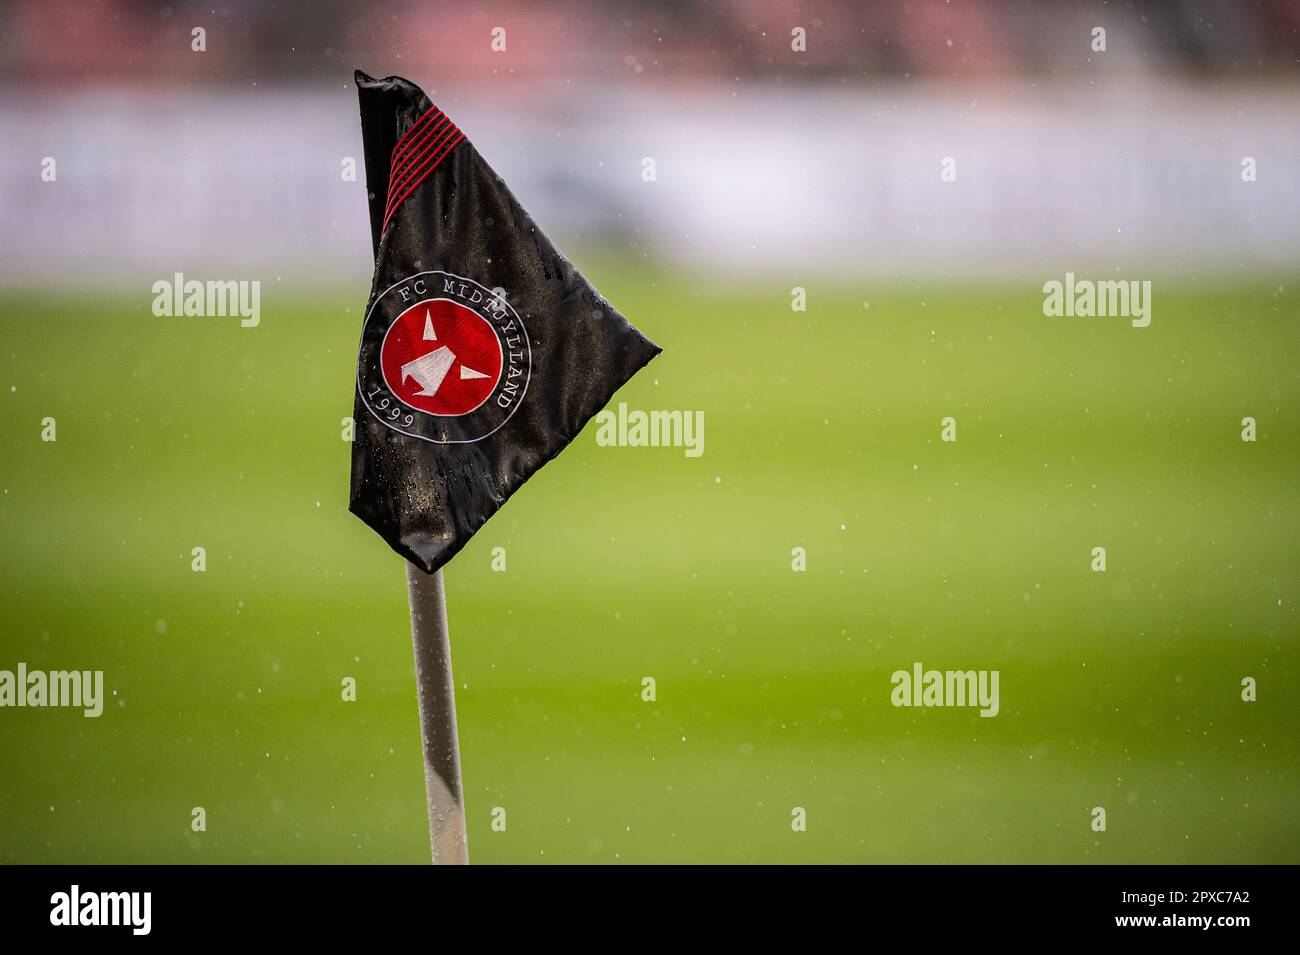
(74, 907)
(1084, 298)
(78, 689)
(212, 299)
(921, 687)
(651, 429)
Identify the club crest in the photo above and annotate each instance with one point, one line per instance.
(443, 358)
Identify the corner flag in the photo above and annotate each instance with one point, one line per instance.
(484, 351)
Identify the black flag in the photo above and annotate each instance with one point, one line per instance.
(484, 351)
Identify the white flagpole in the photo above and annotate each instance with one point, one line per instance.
(437, 696)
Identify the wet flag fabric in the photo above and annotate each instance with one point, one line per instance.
(484, 351)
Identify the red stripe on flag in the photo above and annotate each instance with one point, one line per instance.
(401, 179)
(427, 164)
(436, 157)
(402, 141)
(418, 144)
(400, 175)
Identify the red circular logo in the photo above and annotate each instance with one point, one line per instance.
(441, 358)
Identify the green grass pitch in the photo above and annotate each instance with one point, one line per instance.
(1119, 689)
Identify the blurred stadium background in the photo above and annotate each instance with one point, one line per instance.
(774, 169)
